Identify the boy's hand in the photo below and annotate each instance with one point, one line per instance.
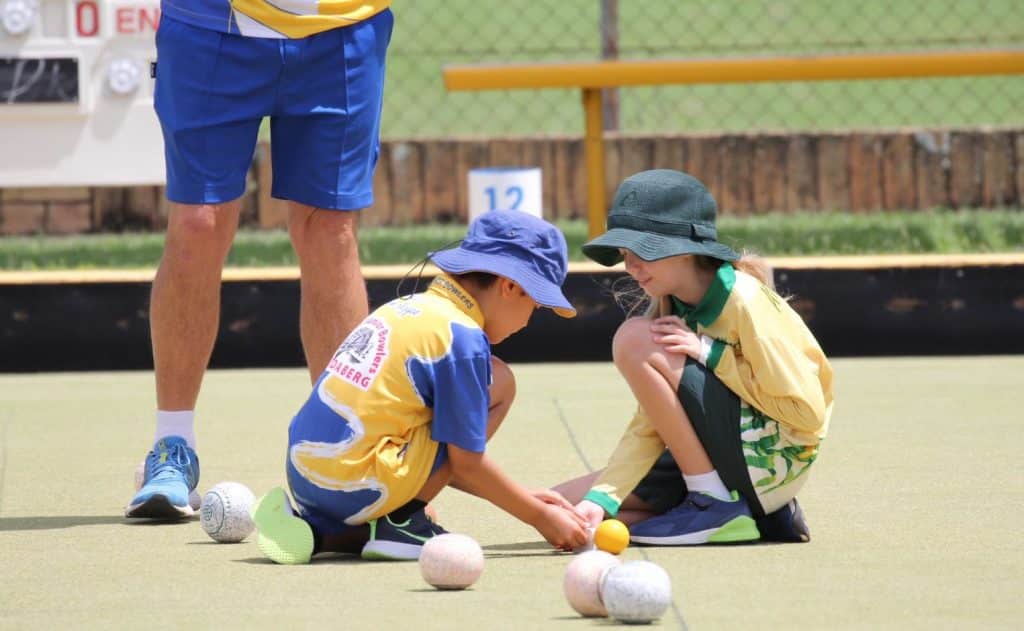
(672, 333)
(593, 513)
(555, 498)
(561, 528)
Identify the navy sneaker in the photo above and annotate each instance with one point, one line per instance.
(786, 525)
(699, 519)
(390, 541)
(172, 473)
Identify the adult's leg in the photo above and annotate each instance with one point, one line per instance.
(184, 313)
(185, 300)
(333, 290)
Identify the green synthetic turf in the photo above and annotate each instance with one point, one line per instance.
(941, 232)
(914, 506)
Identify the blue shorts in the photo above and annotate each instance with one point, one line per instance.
(326, 511)
(323, 95)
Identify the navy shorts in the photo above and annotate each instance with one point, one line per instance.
(323, 95)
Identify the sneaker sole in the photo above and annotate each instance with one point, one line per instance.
(737, 530)
(282, 537)
(158, 507)
(391, 551)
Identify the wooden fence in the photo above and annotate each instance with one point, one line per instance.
(421, 181)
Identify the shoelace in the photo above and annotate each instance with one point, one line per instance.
(176, 463)
(688, 501)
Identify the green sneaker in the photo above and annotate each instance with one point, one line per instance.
(282, 536)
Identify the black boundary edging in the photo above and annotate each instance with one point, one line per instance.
(958, 309)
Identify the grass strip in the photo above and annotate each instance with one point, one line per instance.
(777, 234)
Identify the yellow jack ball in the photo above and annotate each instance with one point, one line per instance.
(611, 536)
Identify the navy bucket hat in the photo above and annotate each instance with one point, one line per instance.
(657, 214)
(518, 246)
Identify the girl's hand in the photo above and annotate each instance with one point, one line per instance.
(593, 513)
(672, 333)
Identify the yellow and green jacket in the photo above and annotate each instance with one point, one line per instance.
(761, 349)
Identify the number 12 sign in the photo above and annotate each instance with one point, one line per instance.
(505, 188)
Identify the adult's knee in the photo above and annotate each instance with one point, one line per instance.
(200, 232)
(317, 233)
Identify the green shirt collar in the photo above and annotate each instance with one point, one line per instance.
(711, 305)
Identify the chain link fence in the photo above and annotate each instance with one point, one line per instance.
(431, 33)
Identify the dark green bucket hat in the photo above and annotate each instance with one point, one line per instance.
(657, 214)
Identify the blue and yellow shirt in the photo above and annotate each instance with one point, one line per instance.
(283, 19)
(415, 373)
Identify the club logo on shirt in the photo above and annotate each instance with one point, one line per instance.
(406, 307)
(359, 358)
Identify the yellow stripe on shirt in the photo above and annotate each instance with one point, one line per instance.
(302, 19)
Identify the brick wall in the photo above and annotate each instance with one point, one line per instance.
(419, 181)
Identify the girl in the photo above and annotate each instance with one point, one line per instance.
(409, 400)
(725, 373)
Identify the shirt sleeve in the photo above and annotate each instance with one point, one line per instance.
(461, 401)
(775, 370)
(632, 459)
(461, 396)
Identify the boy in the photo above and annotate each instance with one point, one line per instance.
(410, 399)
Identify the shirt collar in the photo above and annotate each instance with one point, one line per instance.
(447, 287)
(711, 305)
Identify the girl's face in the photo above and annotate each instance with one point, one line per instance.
(662, 277)
(508, 312)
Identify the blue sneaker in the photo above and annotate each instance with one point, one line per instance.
(172, 473)
(140, 478)
(699, 519)
(400, 542)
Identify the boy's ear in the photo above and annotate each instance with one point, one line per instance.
(508, 286)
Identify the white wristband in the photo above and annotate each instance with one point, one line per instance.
(705, 349)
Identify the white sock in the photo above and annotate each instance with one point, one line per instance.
(708, 483)
(178, 423)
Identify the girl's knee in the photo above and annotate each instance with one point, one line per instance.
(633, 342)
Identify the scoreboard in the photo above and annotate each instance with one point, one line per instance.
(76, 97)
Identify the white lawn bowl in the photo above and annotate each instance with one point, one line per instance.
(451, 561)
(637, 592)
(224, 512)
(582, 583)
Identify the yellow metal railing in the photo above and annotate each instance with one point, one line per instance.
(592, 77)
